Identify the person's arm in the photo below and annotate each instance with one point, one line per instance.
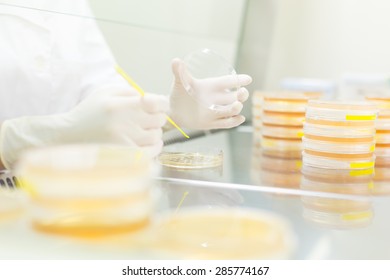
(106, 116)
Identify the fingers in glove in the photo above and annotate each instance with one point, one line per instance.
(152, 103)
(228, 122)
(153, 150)
(242, 95)
(231, 81)
(230, 111)
(148, 137)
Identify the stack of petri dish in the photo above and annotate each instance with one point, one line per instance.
(88, 190)
(339, 135)
(282, 118)
(382, 147)
(257, 101)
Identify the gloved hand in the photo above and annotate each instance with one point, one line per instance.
(111, 115)
(194, 114)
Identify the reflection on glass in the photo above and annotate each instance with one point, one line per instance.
(381, 181)
(336, 212)
(224, 233)
(283, 172)
(12, 204)
(195, 163)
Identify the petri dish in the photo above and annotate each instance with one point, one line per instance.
(383, 124)
(286, 119)
(195, 157)
(199, 67)
(383, 150)
(339, 147)
(193, 162)
(224, 233)
(285, 148)
(350, 132)
(88, 191)
(288, 101)
(341, 162)
(382, 137)
(382, 100)
(341, 111)
(281, 131)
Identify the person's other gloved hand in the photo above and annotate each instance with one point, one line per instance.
(190, 113)
(112, 115)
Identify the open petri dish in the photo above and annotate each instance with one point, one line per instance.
(199, 67)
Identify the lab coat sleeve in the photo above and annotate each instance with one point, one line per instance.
(98, 61)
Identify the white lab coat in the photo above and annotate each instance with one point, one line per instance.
(48, 61)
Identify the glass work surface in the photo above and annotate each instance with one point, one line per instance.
(225, 212)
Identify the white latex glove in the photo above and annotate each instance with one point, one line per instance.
(190, 113)
(114, 115)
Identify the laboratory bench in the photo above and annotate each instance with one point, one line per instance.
(328, 219)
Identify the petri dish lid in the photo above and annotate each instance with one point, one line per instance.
(341, 111)
(202, 65)
(292, 95)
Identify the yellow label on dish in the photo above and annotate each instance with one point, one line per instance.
(300, 134)
(355, 165)
(360, 118)
(357, 216)
(298, 163)
(372, 148)
(371, 185)
(361, 172)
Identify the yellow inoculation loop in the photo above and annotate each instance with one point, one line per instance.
(356, 216)
(142, 93)
(356, 165)
(181, 201)
(28, 187)
(360, 118)
(362, 172)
